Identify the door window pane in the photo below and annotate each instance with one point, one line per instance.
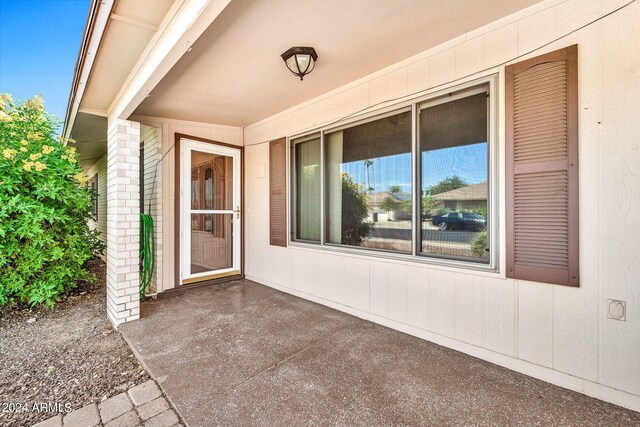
(211, 242)
(369, 184)
(455, 162)
(211, 181)
(209, 189)
(307, 190)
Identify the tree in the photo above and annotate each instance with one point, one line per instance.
(390, 204)
(394, 189)
(355, 211)
(44, 207)
(406, 206)
(368, 163)
(447, 184)
(430, 204)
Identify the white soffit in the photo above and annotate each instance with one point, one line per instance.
(131, 25)
(234, 74)
(90, 132)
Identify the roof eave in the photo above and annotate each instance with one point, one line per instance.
(83, 67)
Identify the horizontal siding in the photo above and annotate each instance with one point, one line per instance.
(564, 330)
(100, 168)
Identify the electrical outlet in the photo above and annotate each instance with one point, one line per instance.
(616, 309)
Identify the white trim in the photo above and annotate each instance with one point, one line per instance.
(158, 120)
(137, 22)
(186, 146)
(561, 379)
(102, 19)
(183, 24)
(100, 113)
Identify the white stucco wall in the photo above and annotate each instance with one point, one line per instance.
(555, 333)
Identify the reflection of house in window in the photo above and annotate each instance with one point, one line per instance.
(377, 211)
(470, 198)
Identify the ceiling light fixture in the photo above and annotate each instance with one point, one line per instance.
(300, 60)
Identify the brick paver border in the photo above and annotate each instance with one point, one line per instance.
(143, 404)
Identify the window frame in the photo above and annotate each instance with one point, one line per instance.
(455, 95)
(414, 103)
(291, 188)
(93, 185)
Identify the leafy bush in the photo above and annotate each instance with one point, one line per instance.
(390, 204)
(479, 245)
(430, 205)
(355, 211)
(440, 210)
(447, 184)
(44, 207)
(479, 211)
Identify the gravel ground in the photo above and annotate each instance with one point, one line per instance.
(69, 355)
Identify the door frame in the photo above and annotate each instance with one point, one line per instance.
(177, 214)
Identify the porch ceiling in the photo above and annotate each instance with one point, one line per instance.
(234, 74)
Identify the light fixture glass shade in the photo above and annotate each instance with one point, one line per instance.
(292, 65)
(303, 62)
(300, 60)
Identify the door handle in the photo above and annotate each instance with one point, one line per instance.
(237, 211)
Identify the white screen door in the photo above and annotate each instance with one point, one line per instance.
(209, 211)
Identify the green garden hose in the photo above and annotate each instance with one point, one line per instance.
(147, 253)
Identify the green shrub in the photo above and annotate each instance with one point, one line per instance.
(390, 204)
(44, 207)
(479, 245)
(355, 211)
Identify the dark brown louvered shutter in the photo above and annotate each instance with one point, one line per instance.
(278, 192)
(542, 168)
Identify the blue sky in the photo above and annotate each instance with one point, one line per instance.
(469, 162)
(39, 42)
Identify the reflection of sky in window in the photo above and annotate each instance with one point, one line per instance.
(385, 171)
(469, 162)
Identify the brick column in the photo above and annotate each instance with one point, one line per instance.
(123, 221)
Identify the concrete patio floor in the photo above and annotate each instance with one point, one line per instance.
(245, 354)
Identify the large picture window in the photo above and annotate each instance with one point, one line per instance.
(415, 181)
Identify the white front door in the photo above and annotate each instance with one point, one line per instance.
(209, 211)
